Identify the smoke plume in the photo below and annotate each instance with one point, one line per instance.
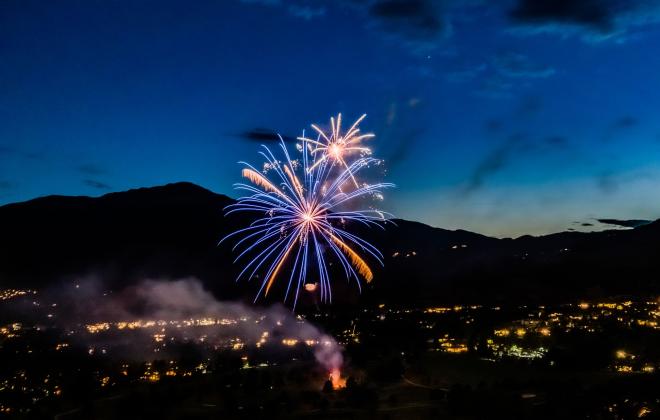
(181, 310)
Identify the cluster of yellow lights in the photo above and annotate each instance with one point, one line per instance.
(612, 305)
(437, 310)
(11, 330)
(133, 325)
(622, 354)
(96, 328)
(545, 331)
(624, 369)
(503, 332)
(7, 294)
(263, 339)
(454, 348)
(61, 346)
(449, 345)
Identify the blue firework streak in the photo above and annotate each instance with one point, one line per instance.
(303, 219)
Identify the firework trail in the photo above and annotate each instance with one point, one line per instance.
(302, 204)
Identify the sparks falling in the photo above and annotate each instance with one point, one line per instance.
(301, 203)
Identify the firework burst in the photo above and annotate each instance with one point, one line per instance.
(337, 146)
(301, 204)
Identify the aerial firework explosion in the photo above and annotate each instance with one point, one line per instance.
(303, 206)
(336, 145)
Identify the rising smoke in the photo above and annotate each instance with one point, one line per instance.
(183, 311)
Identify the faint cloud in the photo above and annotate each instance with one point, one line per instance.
(626, 122)
(591, 20)
(516, 146)
(391, 114)
(557, 141)
(91, 169)
(297, 9)
(96, 184)
(506, 73)
(529, 105)
(262, 2)
(10, 150)
(493, 126)
(607, 182)
(593, 14)
(6, 188)
(495, 87)
(502, 68)
(626, 223)
(619, 126)
(6, 150)
(33, 155)
(493, 162)
(516, 65)
(419, 24)
(306, 12)
(401, 130)
(264, 135)
(466, 73)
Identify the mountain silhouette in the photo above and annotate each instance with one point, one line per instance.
(172, 231)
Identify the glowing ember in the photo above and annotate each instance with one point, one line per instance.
(337, 381)
(310, 287)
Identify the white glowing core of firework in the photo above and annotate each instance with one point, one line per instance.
(335, 150)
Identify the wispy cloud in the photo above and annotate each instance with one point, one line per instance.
(627, 223)
(591, 20)
(306, 12)
(264, 135)
(493, 162)
(96, 184)
(419, 24)
(516, 65)
(91, 169)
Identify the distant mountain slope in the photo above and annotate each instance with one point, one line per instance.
(172, 231)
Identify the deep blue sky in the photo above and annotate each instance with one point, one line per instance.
(529, 116)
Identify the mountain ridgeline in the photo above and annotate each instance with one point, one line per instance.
(173, 231)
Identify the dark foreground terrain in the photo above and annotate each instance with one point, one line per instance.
(596, 360)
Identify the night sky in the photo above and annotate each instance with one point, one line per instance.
(505, 118)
